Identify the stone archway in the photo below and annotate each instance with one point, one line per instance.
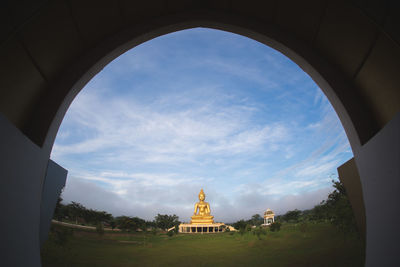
(50, 50)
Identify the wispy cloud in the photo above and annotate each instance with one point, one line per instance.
(147, 201)
(178, 113)
(124, 126)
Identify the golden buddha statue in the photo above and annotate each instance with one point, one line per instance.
(202, 211)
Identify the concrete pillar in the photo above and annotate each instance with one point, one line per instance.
(378, 165)
(22, 170)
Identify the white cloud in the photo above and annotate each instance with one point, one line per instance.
(127, 132)
(158, 136)
(147, 201)
(253, 130)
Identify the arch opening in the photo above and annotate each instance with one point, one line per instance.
(120, 105)
(366, 31)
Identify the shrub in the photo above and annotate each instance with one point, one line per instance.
(61, 235)
(303, 227)
(241, 231)
(100, 228)
(248, 227)
(239, 224)
(154, 231)
(258, 231)
(170, 233)
(264, 231)
(176, 229)
(275, 227)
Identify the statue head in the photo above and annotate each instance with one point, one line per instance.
(202, 196)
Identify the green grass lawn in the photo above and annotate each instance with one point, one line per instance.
(321, 245)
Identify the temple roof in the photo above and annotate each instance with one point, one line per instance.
(268, 211)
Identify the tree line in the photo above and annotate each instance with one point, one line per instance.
(336, 209)
(79, 214)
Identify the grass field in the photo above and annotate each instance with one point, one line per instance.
(320, 245)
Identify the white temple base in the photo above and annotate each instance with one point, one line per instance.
(188, 228)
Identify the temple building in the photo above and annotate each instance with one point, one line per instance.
(269, 217)
(202, 221)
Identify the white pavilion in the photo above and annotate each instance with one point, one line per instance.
(269, 217)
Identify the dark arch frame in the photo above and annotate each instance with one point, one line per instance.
(27, 136)
(45, 121)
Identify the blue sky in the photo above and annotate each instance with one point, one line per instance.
(196, 109)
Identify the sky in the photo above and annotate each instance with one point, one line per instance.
(194, 109)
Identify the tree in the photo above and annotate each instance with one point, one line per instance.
(248, 228)
(319, 213)
(256, 220)
(113, 224)
(292, 216)
(338, 209)
(154, 231)
(240, 224)
(166, 221)
(170, 233)
(59, 211)
(275, 227)
(151, 224)
(126, 223)
(75, 211)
